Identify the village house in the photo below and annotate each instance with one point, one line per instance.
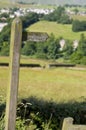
(2, 25)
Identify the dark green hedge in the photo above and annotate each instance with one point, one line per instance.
(42, 112)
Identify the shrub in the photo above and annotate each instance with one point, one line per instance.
(29, 48)
(59, 15)
(78, 26)
(5, 49)
(36, 113)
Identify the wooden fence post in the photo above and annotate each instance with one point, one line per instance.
(15, 45)
(68, 125)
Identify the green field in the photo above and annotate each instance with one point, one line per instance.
(57, 84)
(59, 30)
(4, 3)
(26, 60)
(8, 3)
(79, 17)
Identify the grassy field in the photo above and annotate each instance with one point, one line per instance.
(4, 3)
(8, 3)
(26, 60)
(59, 84)
(79, 17)
(59, 30)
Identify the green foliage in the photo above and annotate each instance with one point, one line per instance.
(79, 55)
(49, 115)
(59, 15)
(78, 26)
(20, 125)
(68, 50)
(5, 49)
(6, 15)
(43, 50)
(29, 48)
(83, 60)
(29, 19)
(65, 19)
(53, 47)
(82, 45)
(76, 57)
(56, 14)
(2, 122)
(76, 10)
(5, 33)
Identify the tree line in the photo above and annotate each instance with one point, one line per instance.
(59, 15)
(51, 48)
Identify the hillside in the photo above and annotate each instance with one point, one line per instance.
(55, 2)
(43, 2)
(10, 3)
(58, 30)
(4, 3)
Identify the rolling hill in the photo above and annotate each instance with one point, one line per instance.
(59, 30)
(7, 3)
(55, 2)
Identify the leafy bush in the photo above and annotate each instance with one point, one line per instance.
(79, 55)
(5, 49)
(33, 113)
(51, 115)
(29, 48)
(78, 26)
(67, 50)
(44, 50)
(29, 19)
(59, 15)
(5, 33)
(83, 60)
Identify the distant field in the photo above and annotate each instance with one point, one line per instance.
(8, 3)
(79, 8)
(59, 30)
(59, 85)
(4, 3)
(79, 17)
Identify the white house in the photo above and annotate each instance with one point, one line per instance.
(2, 25)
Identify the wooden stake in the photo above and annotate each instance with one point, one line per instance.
(15, 45)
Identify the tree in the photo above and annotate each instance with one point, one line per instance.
(80, 54)
(41, 50)
(53, 47)
(82, 45)
(78, 26)
(65, 19)
(59, 15)
(76, 10)
(5, 33)
(5, 49)
(6, 15)
(29, 48)
(68, 50)
(29, 19)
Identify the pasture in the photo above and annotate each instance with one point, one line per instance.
(59, 30)
(56, 84)
(79, 17)
(5, 3)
